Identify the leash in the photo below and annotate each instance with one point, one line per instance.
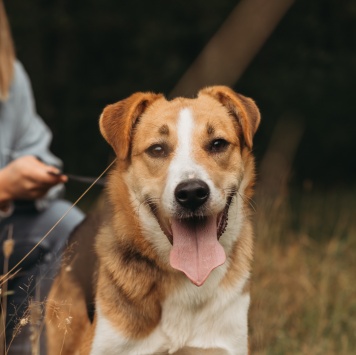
(82, 179)
(86, 179)
(79, 178)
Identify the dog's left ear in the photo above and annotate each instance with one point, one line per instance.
(118, 120)
(241, 107)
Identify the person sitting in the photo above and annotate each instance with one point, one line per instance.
(31, 198)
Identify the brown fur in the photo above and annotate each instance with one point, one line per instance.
(132, 278)
(72, 294)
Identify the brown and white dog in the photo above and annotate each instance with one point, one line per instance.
(174, 255)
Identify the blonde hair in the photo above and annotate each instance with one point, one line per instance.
(7, 54)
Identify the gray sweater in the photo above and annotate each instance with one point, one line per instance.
(22, 131)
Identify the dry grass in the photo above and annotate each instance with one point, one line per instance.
(304, 289)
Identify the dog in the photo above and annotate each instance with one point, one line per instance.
(171, 267)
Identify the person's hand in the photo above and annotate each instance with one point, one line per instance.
(27, 178)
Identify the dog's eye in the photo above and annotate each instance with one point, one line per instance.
(218, 145)
(157, 151)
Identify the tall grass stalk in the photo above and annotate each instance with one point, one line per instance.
(8, 248)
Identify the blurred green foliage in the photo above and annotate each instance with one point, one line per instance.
(83, 55)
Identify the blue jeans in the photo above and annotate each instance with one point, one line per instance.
(37, 271)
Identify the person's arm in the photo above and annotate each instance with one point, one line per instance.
(33, 135)
(26, 173)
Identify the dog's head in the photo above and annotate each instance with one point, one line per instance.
(186, 163)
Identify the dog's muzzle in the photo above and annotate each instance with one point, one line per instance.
(193, 232)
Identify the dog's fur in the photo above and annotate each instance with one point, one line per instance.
(178, 206)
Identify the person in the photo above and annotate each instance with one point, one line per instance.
(31, 191)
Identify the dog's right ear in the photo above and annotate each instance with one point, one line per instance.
(118, 120)
(242, 108)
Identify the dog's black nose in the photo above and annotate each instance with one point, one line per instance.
(192, 194)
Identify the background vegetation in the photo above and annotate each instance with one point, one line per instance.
(303, 289)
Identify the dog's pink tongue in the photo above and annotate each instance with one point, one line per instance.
(196, 250)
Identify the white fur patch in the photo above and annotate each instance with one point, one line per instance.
(207, 317)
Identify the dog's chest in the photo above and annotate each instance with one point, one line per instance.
(189, 320)
(217, 321)
(214, 320)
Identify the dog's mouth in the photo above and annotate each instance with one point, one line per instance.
(196, 250)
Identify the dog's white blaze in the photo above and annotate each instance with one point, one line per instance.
(184, 132)
(183, 166)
